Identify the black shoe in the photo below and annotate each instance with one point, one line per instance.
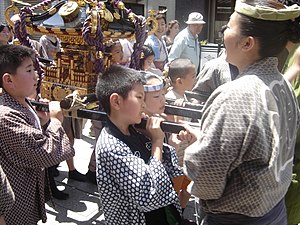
(60, 195)
(54, 191)
(91, 177)
(75, 175)
(187, 222)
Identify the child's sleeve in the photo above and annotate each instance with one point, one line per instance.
(30, 147)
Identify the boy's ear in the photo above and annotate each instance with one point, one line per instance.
(178, 80)
(6, 80)
(115, 101)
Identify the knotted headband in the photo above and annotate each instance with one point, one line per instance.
(267, 13)
(152, 87)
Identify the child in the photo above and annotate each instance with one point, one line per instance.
(147, 59)
(4, 34)
(183, 77)
(133, 173)
(155, 106)
(114, 52)
(154, 94)
(30, 141)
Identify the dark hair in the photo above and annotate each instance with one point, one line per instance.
(108, 46)
(170, 25)
(117, 79)
(160, 16)
(11, 57)
(272, 36)
(146, 52)
(178, 68)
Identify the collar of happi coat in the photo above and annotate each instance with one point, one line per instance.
(261, 65)
(10, 101)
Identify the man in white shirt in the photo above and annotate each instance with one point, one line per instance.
(186, 44)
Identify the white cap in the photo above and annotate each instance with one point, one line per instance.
(195, 18)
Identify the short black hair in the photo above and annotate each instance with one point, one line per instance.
(146, 52)
(11, 57)
(179, 67)
(160, 16)
(116, 79)
(108, 46)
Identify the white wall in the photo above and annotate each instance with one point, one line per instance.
(154, 4)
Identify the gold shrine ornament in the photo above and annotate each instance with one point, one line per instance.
(69, 11)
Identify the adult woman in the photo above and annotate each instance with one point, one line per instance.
(172, 31)
(242, 162)
(158, 44)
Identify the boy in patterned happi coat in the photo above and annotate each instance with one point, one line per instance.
(29, 141)
(7, 197)
(133, 171)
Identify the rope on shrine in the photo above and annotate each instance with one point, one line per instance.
(140, 37)
(95, 41)
(22, 35)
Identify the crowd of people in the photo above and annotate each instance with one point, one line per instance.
(241, 160)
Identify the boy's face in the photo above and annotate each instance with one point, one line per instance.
(117, 54)
(134, 105)
(155, 100)
(22, 84)
(189, 80)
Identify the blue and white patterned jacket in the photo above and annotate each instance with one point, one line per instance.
(128, 186)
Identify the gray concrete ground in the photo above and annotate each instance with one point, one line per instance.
(83, 207)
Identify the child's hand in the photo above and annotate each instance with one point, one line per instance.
(153, 129)
(179, 102)
(174, 141)
(157, 136)
(43, 116)
(55, 111)
(189, 134)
